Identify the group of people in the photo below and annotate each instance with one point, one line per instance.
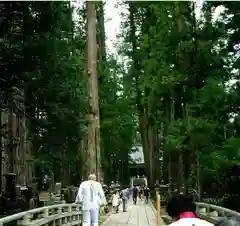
(91, 196)
(139, 191)
(119, 198)
(181, 208)
(124, 195)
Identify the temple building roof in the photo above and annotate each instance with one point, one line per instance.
(137, 156)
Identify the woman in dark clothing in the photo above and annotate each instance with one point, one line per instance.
(180, 204)
(135, 194)
(183, 209)
(146, 193)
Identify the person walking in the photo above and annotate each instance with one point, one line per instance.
(135, 194)
(140, 192)
(91, 196)
(125, 196)
(115, 201)
(146, 193)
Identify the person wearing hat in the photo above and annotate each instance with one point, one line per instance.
(91, 196)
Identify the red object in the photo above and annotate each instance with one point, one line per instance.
(188, 215)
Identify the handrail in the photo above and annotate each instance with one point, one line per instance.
(213, 213)
(61, 213)
(70, 214)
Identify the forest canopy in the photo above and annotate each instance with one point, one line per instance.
(176, 93)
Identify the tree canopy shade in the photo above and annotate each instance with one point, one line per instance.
(171, 93)
(44, 54)
(180, 68)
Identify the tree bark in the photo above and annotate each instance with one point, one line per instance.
(103, 91)
(143, 116)
(92, 158)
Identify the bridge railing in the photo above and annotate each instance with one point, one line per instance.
(213, 213)
(61, 214)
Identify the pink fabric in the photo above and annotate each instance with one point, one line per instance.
(187, 215)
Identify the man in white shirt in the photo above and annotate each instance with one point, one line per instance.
(183, 210)
(125, 193)
(91, 196)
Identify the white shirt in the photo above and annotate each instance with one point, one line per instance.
(91, 195)
(115, 200)
(191, 222)
(125, 194)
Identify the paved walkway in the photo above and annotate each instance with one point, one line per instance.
(137, 215)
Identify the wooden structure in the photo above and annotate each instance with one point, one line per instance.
(136, 163)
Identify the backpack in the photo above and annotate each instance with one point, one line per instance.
(121, 195)
(99, 201)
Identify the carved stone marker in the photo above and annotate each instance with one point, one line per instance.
(58, 187)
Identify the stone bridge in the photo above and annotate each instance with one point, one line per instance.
(140, 214)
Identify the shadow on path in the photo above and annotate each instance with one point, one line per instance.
(137, 215)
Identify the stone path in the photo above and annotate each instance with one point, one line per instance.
(137, 215)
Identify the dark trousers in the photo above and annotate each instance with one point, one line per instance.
(146, 198)
(135, 199)
(124, 205)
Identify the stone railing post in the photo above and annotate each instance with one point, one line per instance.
(59, 211)
(51, 215)
(69, 211)
(26, 220)
(74, 217)
(45, 213)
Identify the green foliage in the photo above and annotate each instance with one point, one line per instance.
(172, 84)
(60, 89)
(44, 54)
(53, 80)
(184, 65)
(117, 122)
